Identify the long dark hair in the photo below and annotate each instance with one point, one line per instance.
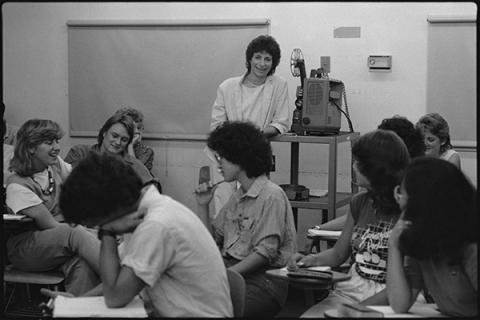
(441, 205)
(382, 157)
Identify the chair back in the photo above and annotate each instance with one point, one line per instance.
(237, 292)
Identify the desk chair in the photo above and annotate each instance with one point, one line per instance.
(51, 279)
(237, 292)
(315, 242)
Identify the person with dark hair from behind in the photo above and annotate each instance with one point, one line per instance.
(413, 138)
(137, 148)
(436, 132)
(167, 254)
(435, 242)
(379, 160)
(33, 190)
(411, 135)
(113, 138)
(255, 229)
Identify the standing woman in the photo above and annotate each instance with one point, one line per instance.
(437, 138)
(114, 137)
(258, 96)
(33, 190)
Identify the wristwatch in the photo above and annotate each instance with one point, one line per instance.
(103, 232)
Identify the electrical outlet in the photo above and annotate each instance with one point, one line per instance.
(379, 63)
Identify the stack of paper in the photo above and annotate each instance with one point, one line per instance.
(85, 307)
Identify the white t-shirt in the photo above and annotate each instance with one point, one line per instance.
(176, 256)
(20, 197)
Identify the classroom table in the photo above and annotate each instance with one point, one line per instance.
(15, 223)
(418, 310)
(307, 284)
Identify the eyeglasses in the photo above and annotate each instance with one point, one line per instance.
(212, 155)
(217, 157)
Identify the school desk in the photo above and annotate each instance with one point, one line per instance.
(418, 310)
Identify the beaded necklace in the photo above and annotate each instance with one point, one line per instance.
(51, 184)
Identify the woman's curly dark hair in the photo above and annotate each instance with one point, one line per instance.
(267, 44)
(412, 136)
(97, 188)
(442, 207)
(243, 144)
(382, 157)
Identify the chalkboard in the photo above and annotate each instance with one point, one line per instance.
(168, 69)
(451, 75)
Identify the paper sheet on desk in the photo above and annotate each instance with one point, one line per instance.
(418, 310)
(81, 307)
(325, 233)
(13, 216)
(315, 268)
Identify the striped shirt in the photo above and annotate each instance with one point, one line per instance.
(260, 220)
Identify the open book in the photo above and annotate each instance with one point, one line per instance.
(85, 307)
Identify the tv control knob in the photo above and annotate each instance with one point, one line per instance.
(298, 103)
(306, 120)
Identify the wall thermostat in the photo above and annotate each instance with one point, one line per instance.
(379, 63)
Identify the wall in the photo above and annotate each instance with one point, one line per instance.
(35, 70)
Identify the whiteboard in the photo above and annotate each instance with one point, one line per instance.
(168, 69)
(451, 75)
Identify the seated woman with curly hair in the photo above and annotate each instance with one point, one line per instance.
(255, 229)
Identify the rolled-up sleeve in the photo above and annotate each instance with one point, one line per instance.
(218, 224)
(269, 228)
